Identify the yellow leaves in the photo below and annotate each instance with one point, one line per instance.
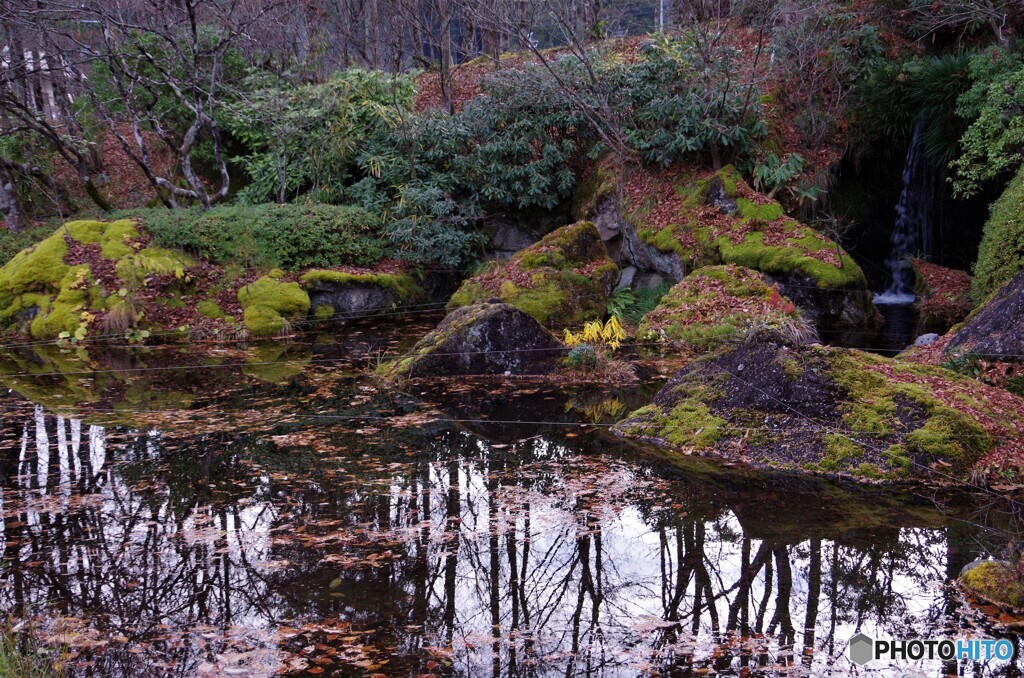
(610, 334)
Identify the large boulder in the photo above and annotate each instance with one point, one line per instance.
(356, 294)
(674, 224)
(996, 330)
(832, 410)
(715, 305)
(485, 338)
(563, 280)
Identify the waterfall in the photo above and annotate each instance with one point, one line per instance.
(912, 233)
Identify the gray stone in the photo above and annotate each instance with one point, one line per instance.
(485, 338)
(626, 278)
(352, 300)
(926, 339)
(996, 331)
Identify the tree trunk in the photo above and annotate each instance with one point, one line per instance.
(10, 202)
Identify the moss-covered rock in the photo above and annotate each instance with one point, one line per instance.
(996, 582)
(270, 305)
(1001, 253)
(717, 304)
(828, 409)
(485, 338)
(563, 280)
(675, 224)
(352, 294)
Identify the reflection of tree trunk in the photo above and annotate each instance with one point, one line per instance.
(514, 585)
(781, 618)
(419, 506)
(763, 607)
(813, 598)
(453, 514)
(494, 571)
(742, 600)
(833, 599)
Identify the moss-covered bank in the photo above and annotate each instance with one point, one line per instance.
(97, 279)
(1001, 254)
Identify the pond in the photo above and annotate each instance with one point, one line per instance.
(275, 510)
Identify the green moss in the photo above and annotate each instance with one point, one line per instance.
(402, 284)
(210, 309)
(286, 298)
(946, 433)
(570, 278)
(751, 211)
(1001, 253)
(262, 321)
(996, 581)
(690, 422)
(38, 269)
(840, 452)
(752, 252)
(323, 311)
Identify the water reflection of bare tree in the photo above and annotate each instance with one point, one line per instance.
(521, 560)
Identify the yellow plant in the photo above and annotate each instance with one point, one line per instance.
(610, 334)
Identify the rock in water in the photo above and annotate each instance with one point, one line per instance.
(829, 409)
(485, 338)
(563, 280)
(996, 330)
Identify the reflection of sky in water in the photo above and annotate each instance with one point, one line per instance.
(533, 560)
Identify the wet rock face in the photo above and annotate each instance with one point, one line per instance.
(353, 300)
(718, 196)
(485, 338)
(843, 306)
(997, 329)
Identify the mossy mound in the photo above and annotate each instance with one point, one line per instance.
(832, 410)
(716, 304)
(563, 280)
(755, 233)
(1001, 253)
(678, 223)
(78, 275)
(270, 305)
(485, 338)
(996, 582)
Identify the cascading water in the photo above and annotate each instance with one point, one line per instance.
(911, 236)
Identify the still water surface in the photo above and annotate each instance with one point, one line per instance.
(276, 511)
